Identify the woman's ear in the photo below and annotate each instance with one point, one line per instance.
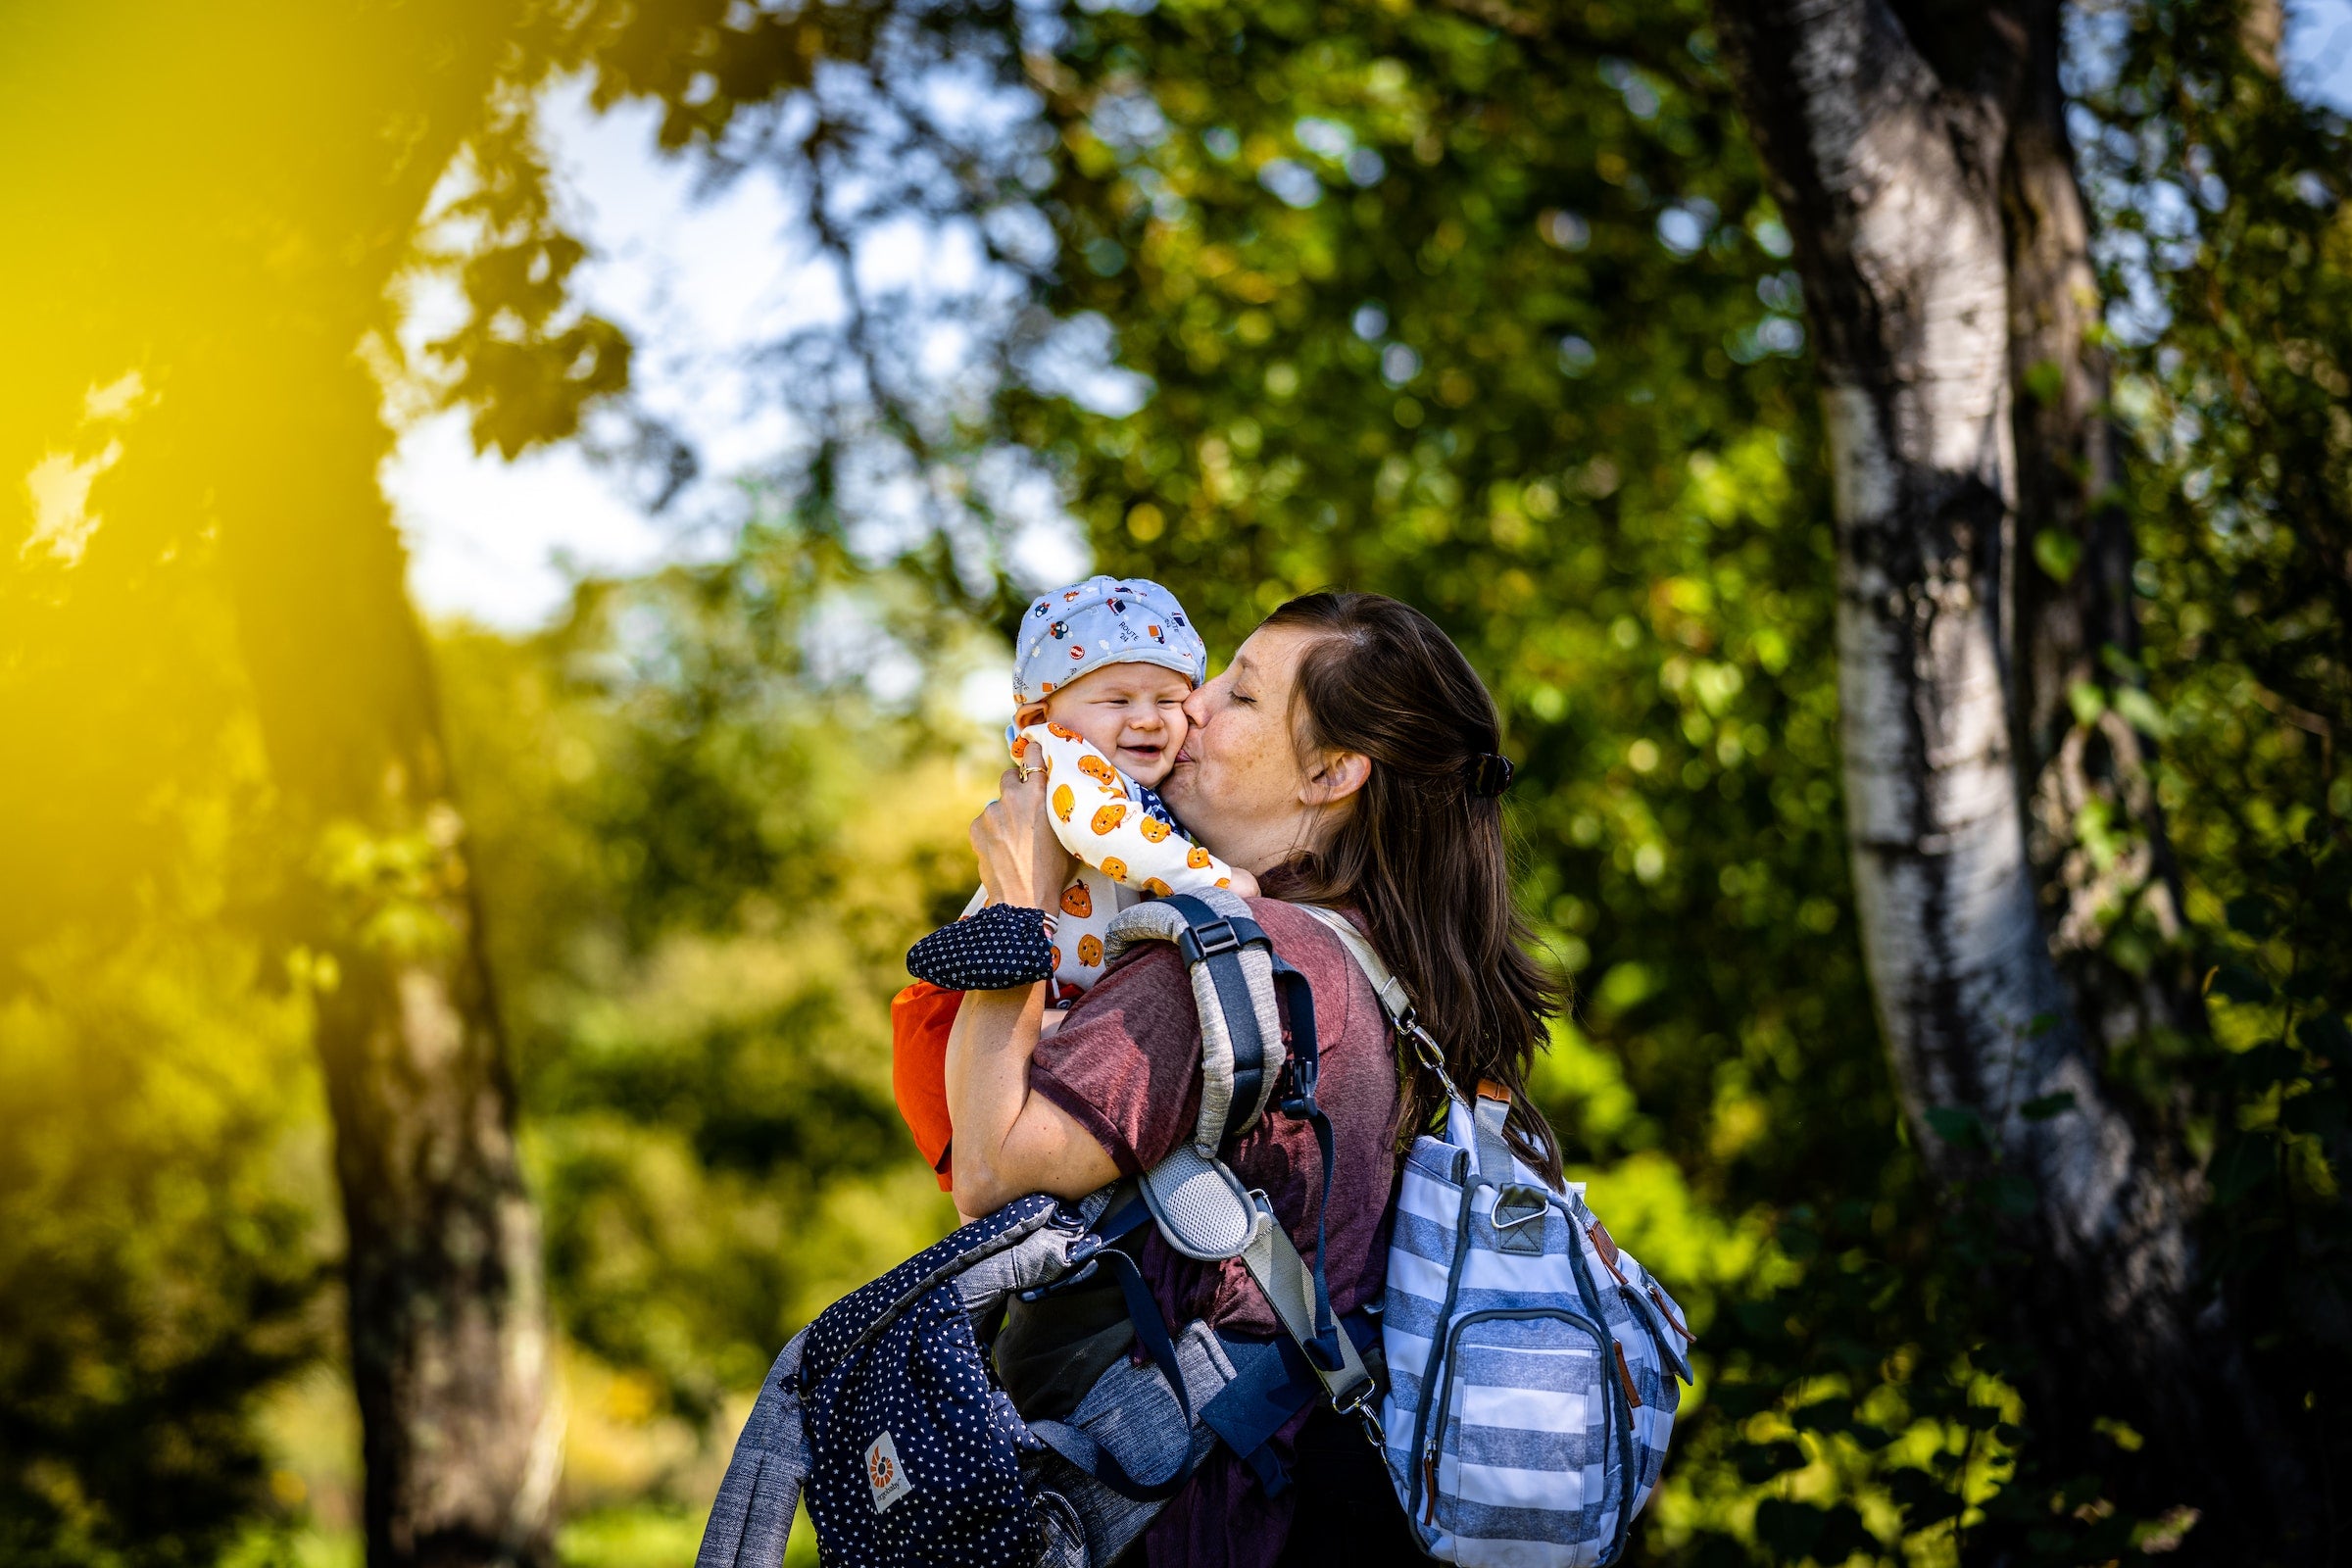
(1335, 776)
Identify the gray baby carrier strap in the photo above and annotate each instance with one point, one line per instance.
(1246, 1069)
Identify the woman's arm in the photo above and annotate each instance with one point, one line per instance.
(1008, 1140)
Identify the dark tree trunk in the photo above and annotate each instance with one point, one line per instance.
(1920, 153)
(2070, 586)
(448, 1339)
(450, 1349)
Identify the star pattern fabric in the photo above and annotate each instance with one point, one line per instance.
(997, 945)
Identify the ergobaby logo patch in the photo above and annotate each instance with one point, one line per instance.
(885, 1474)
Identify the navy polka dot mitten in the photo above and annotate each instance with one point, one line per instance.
(999, 946)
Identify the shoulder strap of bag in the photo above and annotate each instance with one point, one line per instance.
(1494, 1104)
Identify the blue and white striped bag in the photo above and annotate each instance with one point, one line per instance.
(1533, 1362)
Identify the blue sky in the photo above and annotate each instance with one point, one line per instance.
(696, 277)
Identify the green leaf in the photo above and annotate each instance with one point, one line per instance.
(2235, 982)
(1824, 1415)
(2044, 380)
(2243, 1166)
(1740, 1400)
(2320, 1113)
(2087, 701)
(1958, 1126)
(2252, 915)
(2057, 554)
(1923, 1500)
(2324, 1034)
(2013, 1194)
(2045, 1106)
(2140, 711)
(1790, 1529)
(1759, 1462)
(2262, 1068)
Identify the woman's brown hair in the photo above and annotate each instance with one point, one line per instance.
(1421, 858)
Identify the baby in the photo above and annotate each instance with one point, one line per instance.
(1100, 676)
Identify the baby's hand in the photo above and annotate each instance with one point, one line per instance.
(1243, 883)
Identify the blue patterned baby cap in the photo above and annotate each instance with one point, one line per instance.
(1103, 621)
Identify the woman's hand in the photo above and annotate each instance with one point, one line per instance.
(1021, 861)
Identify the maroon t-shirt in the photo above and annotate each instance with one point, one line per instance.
(1127, 1066)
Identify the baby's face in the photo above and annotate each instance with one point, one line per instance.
(1132, 713)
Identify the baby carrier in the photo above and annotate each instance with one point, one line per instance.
(890, 1414)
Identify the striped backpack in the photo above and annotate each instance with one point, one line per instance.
(1533, 1362)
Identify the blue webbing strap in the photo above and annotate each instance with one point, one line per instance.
(1271, 1383)
(1300, 1073)
(1151, 1332)
(1216, 939)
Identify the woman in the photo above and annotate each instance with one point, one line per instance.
(1347, 758)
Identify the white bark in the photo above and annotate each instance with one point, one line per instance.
(1889, 164)
(1971, 1005)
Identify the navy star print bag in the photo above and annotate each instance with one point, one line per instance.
(942, 1480)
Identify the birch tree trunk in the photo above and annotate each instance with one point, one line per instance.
(1919, 153)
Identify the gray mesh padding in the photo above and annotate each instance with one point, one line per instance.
(1160, 922)
(1203, 1209)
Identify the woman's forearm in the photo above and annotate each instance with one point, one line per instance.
(1008, 1140)
(988, 1083)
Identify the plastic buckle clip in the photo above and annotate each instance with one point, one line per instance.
(1207, 941)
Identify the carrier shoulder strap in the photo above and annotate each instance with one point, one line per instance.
(1202, 1208)
(1231, 969)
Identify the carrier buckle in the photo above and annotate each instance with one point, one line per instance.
(1208, 940)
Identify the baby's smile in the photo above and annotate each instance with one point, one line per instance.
(1142, 757)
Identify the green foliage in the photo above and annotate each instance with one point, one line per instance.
(526, 362)
(2229, 205)
(1493, 318)
(159, 1259)
(1513, 368)
(705, 848)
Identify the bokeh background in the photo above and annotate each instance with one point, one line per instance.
(710, 383)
